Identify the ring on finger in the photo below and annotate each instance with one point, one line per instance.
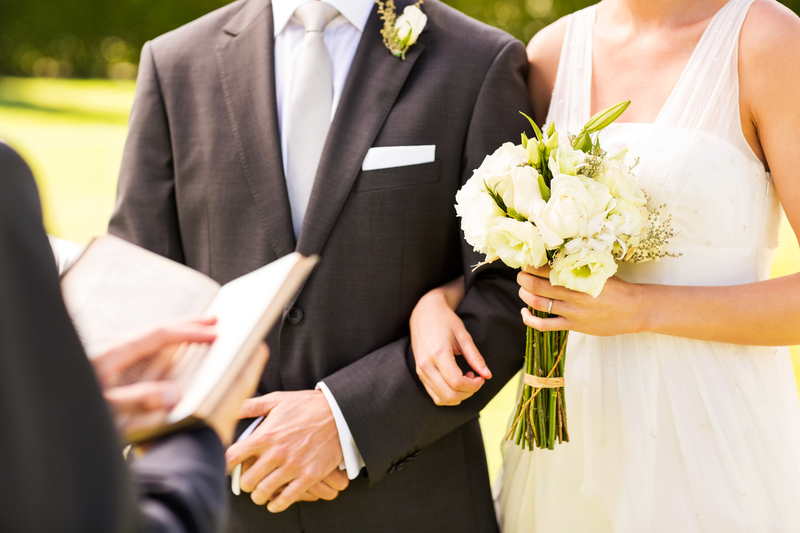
(550, 307)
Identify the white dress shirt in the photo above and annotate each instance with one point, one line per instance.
(341, 38)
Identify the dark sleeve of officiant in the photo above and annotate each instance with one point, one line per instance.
(61, 465)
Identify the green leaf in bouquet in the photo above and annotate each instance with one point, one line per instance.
(496, 197)
(583, 142)
(605, 117)
(536, 129)
(544, 189)
(513, 213)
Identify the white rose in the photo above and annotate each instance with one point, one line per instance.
(523, 193)
(574, 201)
(410, 24)
(584, 271)
(478, 213)
(621, 182)
(501, 162)
(565, 159)
(517, 244)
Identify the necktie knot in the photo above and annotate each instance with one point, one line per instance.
(315, 15)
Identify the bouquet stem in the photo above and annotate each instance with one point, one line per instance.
(541, 417)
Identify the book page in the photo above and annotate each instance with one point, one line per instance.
(117, 290)
(245, 308)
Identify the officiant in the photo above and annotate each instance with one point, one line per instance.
(61, 461)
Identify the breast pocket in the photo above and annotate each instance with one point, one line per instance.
(399, 177)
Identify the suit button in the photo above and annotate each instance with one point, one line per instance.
(295, 315)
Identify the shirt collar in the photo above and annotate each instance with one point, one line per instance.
(355, 11)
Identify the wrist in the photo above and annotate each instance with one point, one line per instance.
(643, 317)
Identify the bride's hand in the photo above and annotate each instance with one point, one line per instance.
(615, 311)
(437, 336)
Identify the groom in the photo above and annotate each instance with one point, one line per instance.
(272, 126)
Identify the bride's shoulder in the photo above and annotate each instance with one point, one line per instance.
(769, 31)
(769, 51)
(544, 53)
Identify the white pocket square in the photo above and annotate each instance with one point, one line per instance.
(379, 157)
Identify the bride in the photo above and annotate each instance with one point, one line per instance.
(684, 413)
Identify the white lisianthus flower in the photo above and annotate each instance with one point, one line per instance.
(478, 214)
(574, 201)
(410, 24)
(627, 218)
(518, 244)
(584, 271)
(621, 182)
(565, 159)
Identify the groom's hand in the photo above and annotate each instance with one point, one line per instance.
(293, 449)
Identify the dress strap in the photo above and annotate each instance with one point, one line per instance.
(571, 101)
(706, 97)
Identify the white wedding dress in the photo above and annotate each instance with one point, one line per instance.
(669, 434)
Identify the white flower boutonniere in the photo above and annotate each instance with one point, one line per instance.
(400, 33)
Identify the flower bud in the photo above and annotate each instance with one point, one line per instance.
(534, 155)
(605, 117)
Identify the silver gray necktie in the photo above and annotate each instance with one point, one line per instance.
(309, 108)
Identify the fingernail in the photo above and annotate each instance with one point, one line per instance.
(470, 375)
(170, 395)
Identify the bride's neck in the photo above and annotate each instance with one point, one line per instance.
(662, 12)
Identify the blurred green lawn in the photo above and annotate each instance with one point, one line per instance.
(72, 133)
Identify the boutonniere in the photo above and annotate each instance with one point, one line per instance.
(400, 33)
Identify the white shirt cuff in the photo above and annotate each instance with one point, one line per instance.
(352, 462)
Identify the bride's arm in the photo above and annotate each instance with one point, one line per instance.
(437, 333)
(437, 336)
(763, 313)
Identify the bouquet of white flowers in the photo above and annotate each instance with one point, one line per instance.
(558, 199)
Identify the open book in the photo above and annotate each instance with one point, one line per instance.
(116, 290)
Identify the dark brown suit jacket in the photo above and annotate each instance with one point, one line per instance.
(61, 467)
(202, 182)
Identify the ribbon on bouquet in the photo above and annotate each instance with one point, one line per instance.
(540, 383)
(543, 383)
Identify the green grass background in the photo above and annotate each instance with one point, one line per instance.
(72, 133)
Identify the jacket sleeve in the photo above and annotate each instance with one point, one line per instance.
(386, 407)
(181, 482)
(64, 469)
(146, 212)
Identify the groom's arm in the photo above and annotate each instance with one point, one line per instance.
(386, 407)
(146, 213)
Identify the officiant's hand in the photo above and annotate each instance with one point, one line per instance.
(615, 311)
(149, 402)
(291, 452)
(438, 335)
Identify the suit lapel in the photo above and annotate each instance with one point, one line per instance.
(373, 84)
(246, 68)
